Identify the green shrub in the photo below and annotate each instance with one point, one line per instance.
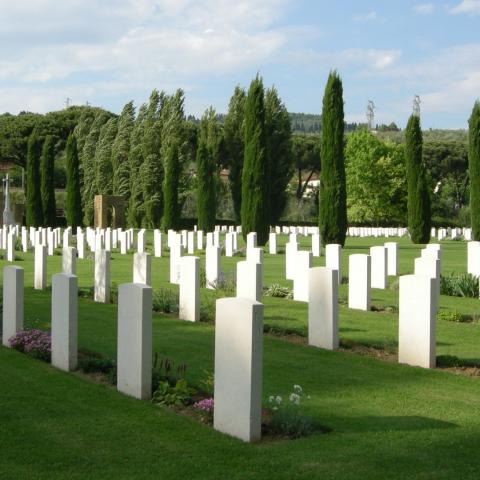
(180, 394)
(207, 309)
(279, 291)
(465, 285)
(165, 301)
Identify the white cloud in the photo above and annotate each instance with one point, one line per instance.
(466, 6)
(132, 43)
(424, 8)
(367, 17)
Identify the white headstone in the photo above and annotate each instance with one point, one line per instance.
(316, 245)
(359, 271)
(189, 303)
(134, 347)
(378, 256)
(212, 266)
(157, 243)
(69, 260)
(303, 263)
(323, 308)
(64, 321)
(392, 258)
(291, 249)
(102, 277)
(333, 258)
(40, 280)
(142, 268)
(249, 280)
(238, 368)
(417, 311)
(272, 243)
(473, 258)
(13, 278)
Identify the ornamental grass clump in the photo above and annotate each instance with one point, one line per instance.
(35, 343)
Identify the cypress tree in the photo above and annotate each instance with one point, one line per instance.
(136, 206)
(34, 213)
(73, 203)
(418, 196)
(474, 169)
(255, 211)
(47, 163)
(120, 152)
(234, 136)
(171, 211)
(103, 159)
(207, 161)
(88, 166)
(279, 150)
(333, 197)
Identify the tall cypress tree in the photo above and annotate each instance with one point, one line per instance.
(103, 158)
(88, 166)
(47, 163)
(418, 199)
(333, 190)
(73, 204)
(279, 150)
(120, 152)
(34, 213)
(171, 211)
(207, 161)
(474, 169)
(255, 210)
(234, 137)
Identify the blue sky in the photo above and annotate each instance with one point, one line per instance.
(109, 52)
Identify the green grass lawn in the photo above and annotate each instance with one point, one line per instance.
(388, 420)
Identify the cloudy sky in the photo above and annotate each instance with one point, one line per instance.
(107, 52)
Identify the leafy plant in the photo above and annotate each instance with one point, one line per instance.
(205, 409)
(165, 301)
(180, 394)
(465, 285)
(286, 418)
(279, 291)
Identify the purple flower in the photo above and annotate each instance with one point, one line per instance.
(34, 342)
(205, 405)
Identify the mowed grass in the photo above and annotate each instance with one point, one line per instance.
(388, 420)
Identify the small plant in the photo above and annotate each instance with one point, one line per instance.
(165, 301)
(165, 370)
(226, 284)
(179, 394)
(286, 416)
(207, 310)
(205, 409)
(279, 291)
(208, 383)
(35, 343)
(465, 285)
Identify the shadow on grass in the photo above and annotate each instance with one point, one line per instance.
(399, 423)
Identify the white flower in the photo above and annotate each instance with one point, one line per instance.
(294, 398)
(271, 399)
(297, 389)
(278, 399)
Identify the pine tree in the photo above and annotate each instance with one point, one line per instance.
(47, 163)
(171, 212)
(33, 207)
(418, 199)
(279, 150)
(73, 203)
(207, 161)
(88, 166)
(474, 169)
(234, 136)
(103, 158)
(255, 211)
(121, 150)
(333, 197)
